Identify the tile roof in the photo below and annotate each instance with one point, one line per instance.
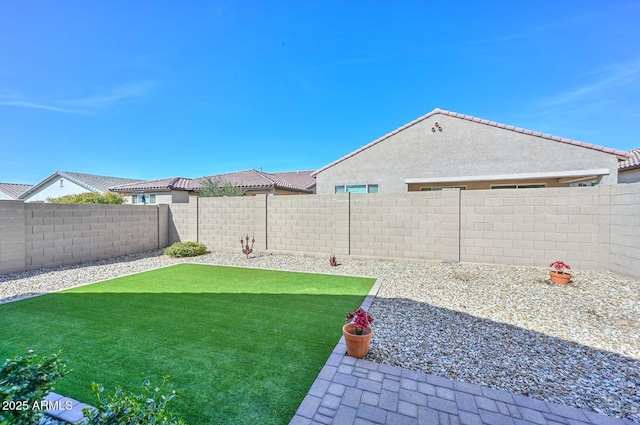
(632, 162)
(14, 189)
(179, 183)
(298, 181)
(621, 154)
(91, 182)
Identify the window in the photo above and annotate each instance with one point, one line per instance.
(430, 189)
(518, 186)
(357, 188)
(143, 199)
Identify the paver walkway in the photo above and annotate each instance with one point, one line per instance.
(354, 391)
(351, 391)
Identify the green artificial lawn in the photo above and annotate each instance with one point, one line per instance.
(242, 346)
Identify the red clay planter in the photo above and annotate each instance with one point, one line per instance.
(357, 345)
(560, 278)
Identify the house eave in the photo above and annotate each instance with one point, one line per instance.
(522, 176)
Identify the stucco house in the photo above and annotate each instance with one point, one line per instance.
(63, 183)
(11, 191)
(178, 189)
(629, 170)
(446, 149)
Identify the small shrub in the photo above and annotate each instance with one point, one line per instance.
(24, 383)
(122, 407)
(333, 261)
(186, 249)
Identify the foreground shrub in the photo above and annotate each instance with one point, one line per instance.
(186, 249)
(24, 383)
(122, 407)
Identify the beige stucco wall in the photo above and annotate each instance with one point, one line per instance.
(630, 176)
(463, 148)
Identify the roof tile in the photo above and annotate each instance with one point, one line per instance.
(632, 162)
(300, 181)
(13, 190)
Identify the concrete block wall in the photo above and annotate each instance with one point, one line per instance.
(308, 224)
(58, 235)
(12, 237)
(534, 227)
(222, 221)
(624, 240)
(391, 226)
(183, 221)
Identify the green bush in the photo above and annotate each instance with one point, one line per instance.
(121, 407)
(90, 198)
(186, 249)
(24, 383)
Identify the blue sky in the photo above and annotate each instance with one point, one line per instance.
(153, 89)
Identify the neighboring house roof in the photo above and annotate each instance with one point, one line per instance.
(178, 183)
(91, 182)
(13, 190)
(300, 179)
(297, 181)
(632, 162)
(620, 154)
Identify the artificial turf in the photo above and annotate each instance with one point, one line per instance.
(242, 346)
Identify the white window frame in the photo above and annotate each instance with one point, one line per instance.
(344, 188)
(150, 199)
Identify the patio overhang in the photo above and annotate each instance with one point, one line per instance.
(562, 176)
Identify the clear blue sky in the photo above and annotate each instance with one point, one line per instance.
(153, 89)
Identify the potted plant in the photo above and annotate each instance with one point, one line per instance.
(357, 333)
(559, 273)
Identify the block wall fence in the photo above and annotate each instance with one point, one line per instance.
(34, 236)
(588, 227)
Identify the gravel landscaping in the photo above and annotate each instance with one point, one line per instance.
(504, 327)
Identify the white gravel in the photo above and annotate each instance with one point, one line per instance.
(504, 327)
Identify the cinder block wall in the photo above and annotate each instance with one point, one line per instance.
(58, 235)
(308, 224)
(624, 240)
(12, 237)
(534, 227)
(183, 221)
(391, 226)
(222, 221)
(590, 228)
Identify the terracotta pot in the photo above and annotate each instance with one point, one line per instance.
(357, 345)
(560, 278)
